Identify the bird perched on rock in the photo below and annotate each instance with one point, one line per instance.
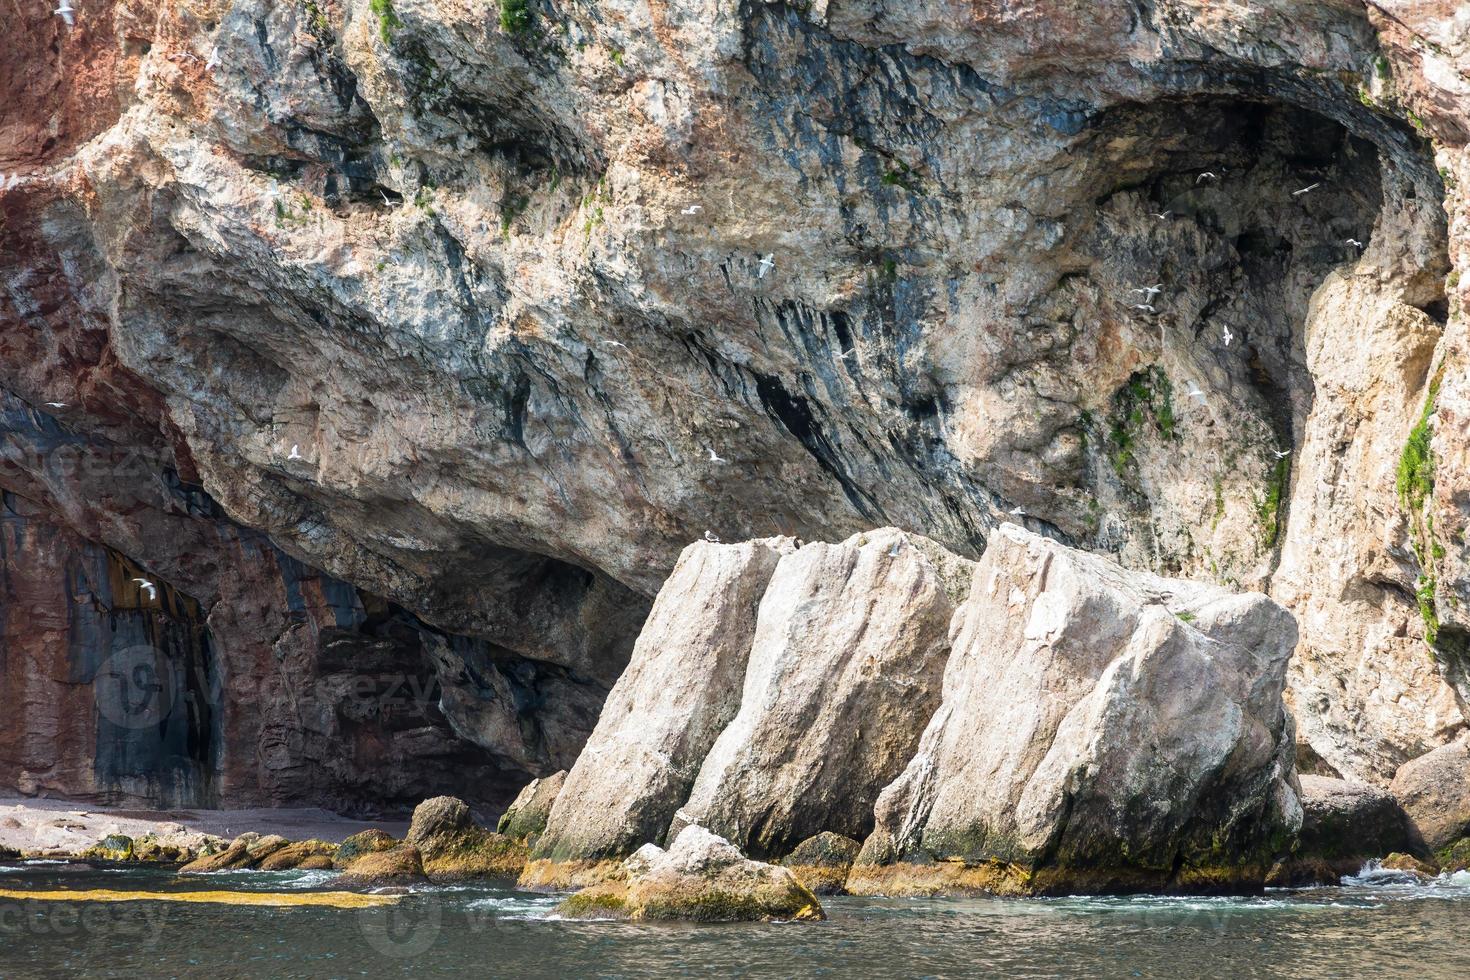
(711, 537)
(1149, 292)
(893, 552)
(213, 61)
(147, 587)
(1228, 336)
(1017, 511)
(66, 13)
(692, 209)
(1145, 307)
(1207, 175)
(295, 452)
(1353, 242)
(768, 262)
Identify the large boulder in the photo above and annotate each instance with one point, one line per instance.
(1434, 790)
(306, 855)
(453, 847)
(1344, 825)
(1101, 730)
(844, 672)
(364, 842)
(702, 878)
(680, 690)
(529, 811)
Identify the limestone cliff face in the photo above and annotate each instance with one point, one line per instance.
(495, 274)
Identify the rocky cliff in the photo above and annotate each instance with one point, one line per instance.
(472, 317)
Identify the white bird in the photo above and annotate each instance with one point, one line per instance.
(616, 343)
(1146, 307)
(1018, 511)
(1280, 454)
(65, 12)
(1196, 393)
(385, 197)
(295, 451)
(147, 587)
(56, 404)
(768, 262)
(715, 457)
(1207, 175)
(1162, 216)
(692, 209)
(893, 552)
(1150, 291)
(213, 61)
(1306, 190)
(711, 537)
(1353, 242)
(847, 354)
(1228, 336)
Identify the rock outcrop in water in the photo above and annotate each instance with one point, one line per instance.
(775, 691)
(1101, 730)
(701, 878)
(406, 341)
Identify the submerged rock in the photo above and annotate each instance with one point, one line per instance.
(679, 692)
(701, 878)
(1434, 790)
(453, 846)
(529, 811)
(1101, 730)
(844, 671)
(822, 862)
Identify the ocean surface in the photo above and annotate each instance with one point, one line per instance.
(1375, 925)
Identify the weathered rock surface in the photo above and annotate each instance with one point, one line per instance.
(702, 878)
(529, 811)
(1345, 824)
(821, 863)
(1101, 730)
(400, 865)
(1434, 790)
(680, 690)
(452, 846)
(501, 288)
(844, 671)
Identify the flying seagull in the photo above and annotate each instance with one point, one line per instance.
(693, 209)
(1018, 511)
(1306, 190)
(1281, 454)
(845, 355)
(1228, 336)
(711, 537)
(1196, 393)
(385, 197)
(768, 262)
(147, 587)
(1150, 292)
(616, 343)
(1146, 307)
(1164, 216)
(1207, 175)
(1353, 242)
(295, 451)
(56, 404)
(65, 12)
(715, 457)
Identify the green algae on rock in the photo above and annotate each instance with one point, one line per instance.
(700, 878)
(454, 847)
(821, 862)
